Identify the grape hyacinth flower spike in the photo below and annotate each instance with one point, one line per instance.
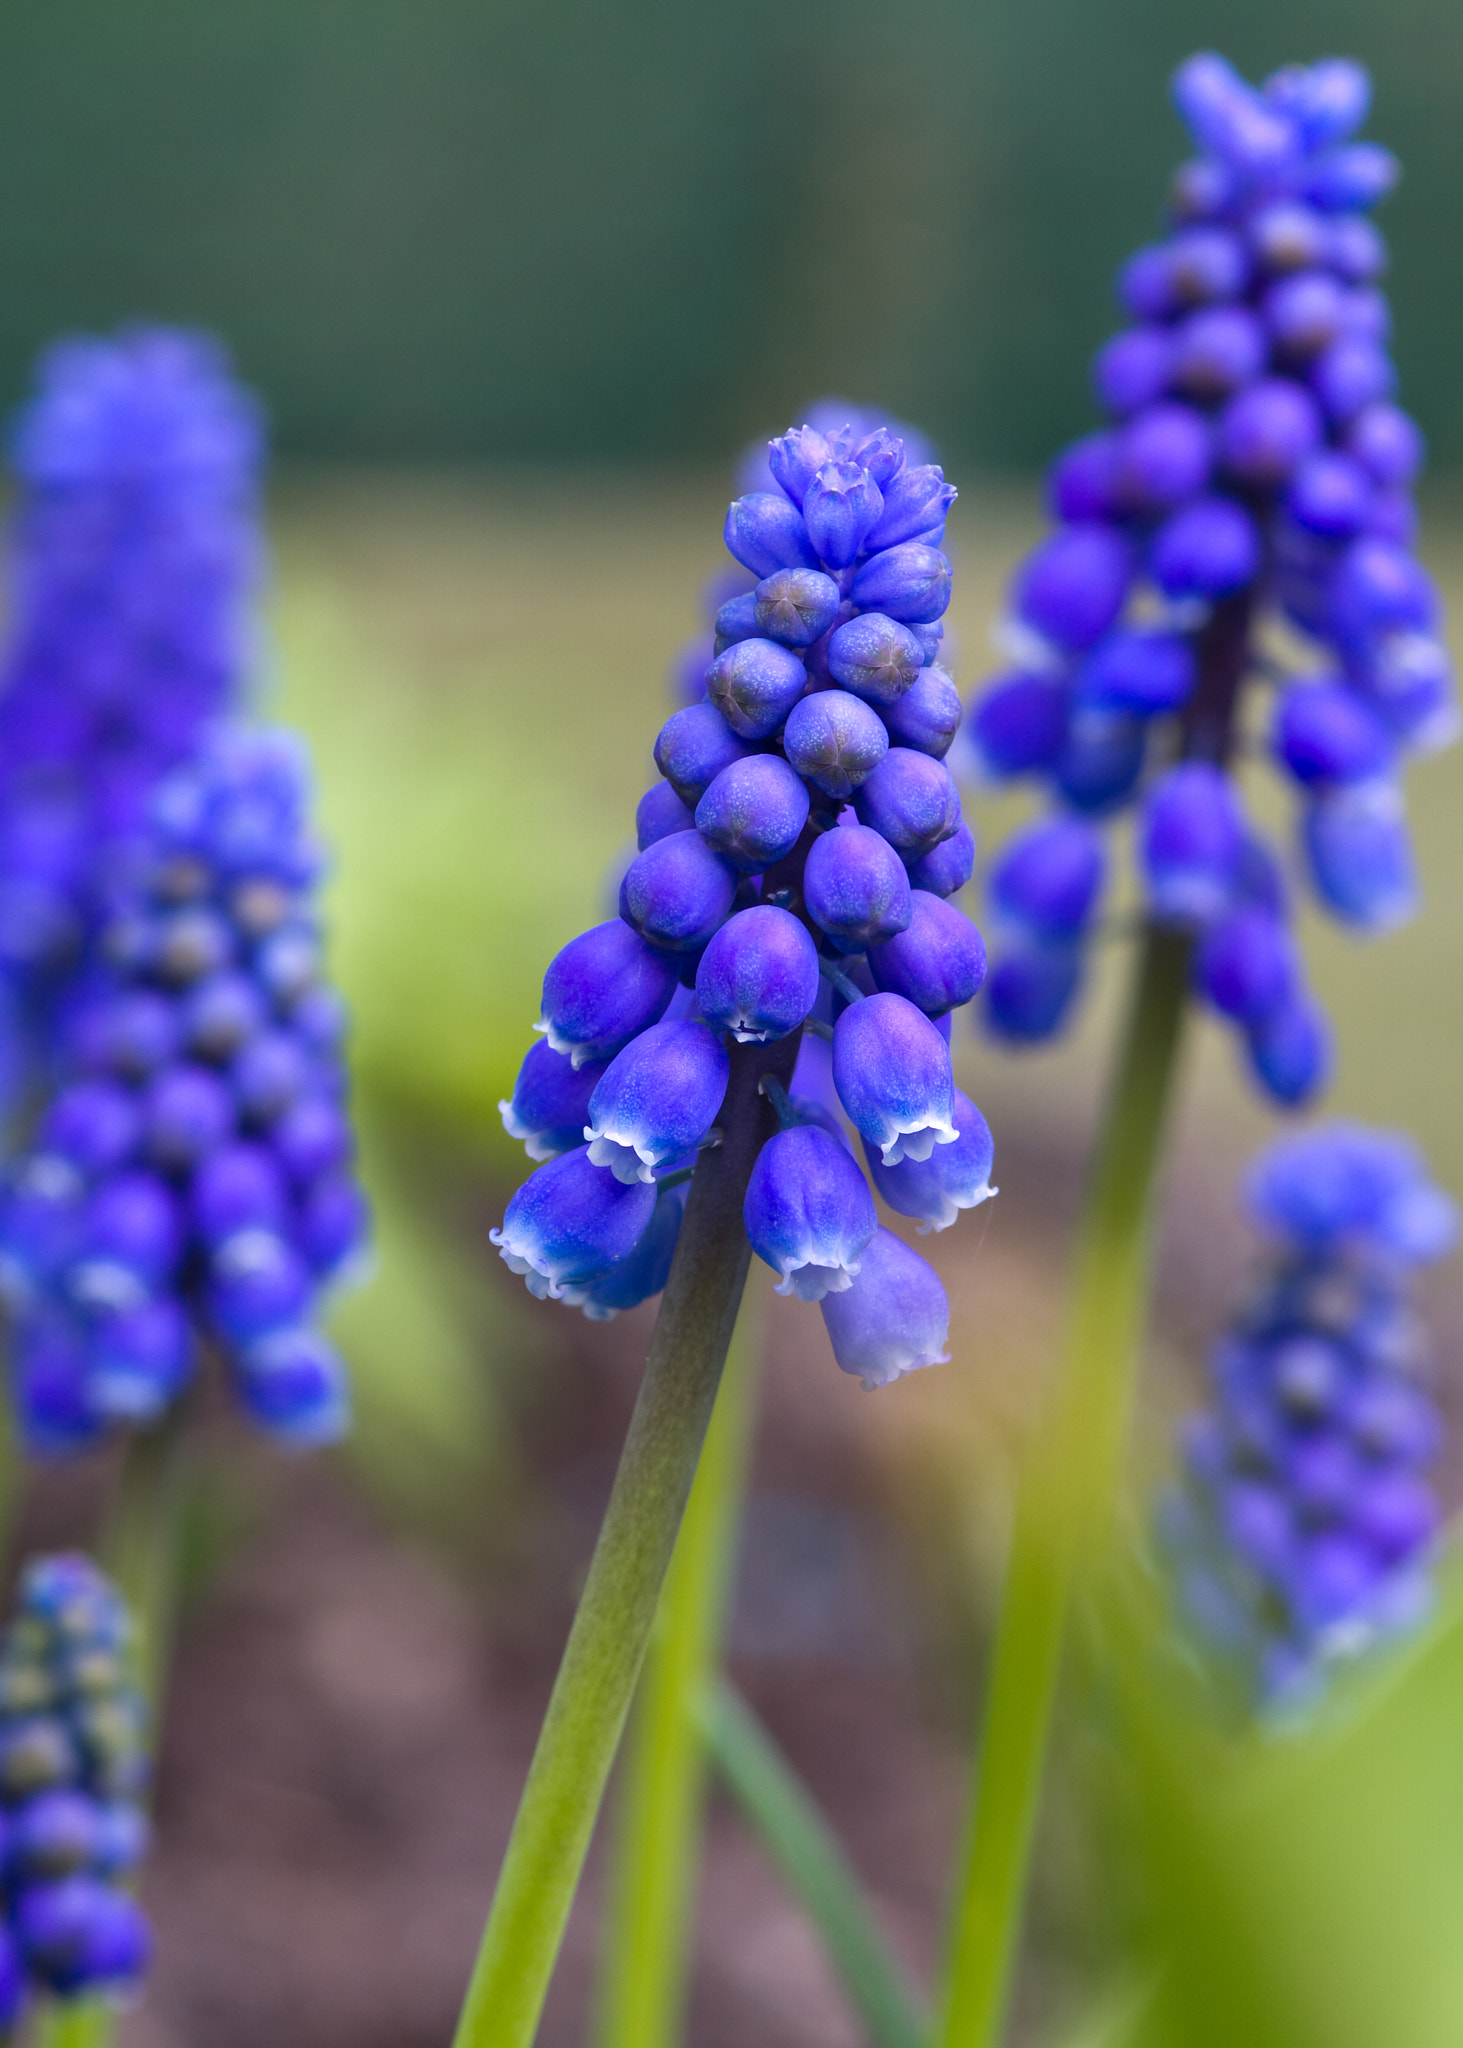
(190, 1180)
(1253, 466)
(133, 553)
(1252, 470)
(806, 817)
(1302, 1529)
(73, 1772)
(792, 883)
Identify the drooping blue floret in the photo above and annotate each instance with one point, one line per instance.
(892, 1071)
(809, 1212)
(191, 1177)
(1302, 1528)
(570, 1222)
(657, 1099)
(1254, 466)
(955, 1177)
(73, 1771)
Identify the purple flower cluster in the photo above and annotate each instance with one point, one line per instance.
(190, 1176)
(1254, 463)
(1304, 1522)
(133, 552)
(73, 1768)
(793, 873)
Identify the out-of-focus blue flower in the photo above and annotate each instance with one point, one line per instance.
(73, 1768)
(191, 1175)
(133, 552)
(1302, 1529)
(1254, 465)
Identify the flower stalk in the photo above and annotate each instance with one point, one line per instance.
(602, 1659)
(653, 1881)
(1073, 1467)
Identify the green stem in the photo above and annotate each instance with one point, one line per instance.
(601, 1662)
(653, 1881)
(1068, 1480)
(1073, 1467)
(814, 1865)
(139, 1545)
(83, 2023)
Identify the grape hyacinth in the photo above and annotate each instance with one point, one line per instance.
(73, 1770)
(793, 875)
(1303, 1527)
(132, 554)
(1254, 471)
(190, 1180)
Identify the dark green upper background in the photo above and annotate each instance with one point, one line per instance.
(471, 229)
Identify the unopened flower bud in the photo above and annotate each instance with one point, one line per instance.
(834, 740)
(677, 892)
(856, 887)
(754, 812)
(758, 977)
(766, 533)
(754, 685)
(842, 503)
(794, 607)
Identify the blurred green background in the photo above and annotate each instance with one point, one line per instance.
(515, 282)
(466, 229)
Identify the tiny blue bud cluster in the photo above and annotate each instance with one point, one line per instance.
(1254, 463)
(794, 872)
(190, 1175)
(73, 1769)
(1303, 1525)
(133, 551)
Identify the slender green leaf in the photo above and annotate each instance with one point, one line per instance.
(808, 1854)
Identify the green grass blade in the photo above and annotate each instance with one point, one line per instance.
(811, 1860)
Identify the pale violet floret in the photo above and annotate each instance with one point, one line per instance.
(894, 1318)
